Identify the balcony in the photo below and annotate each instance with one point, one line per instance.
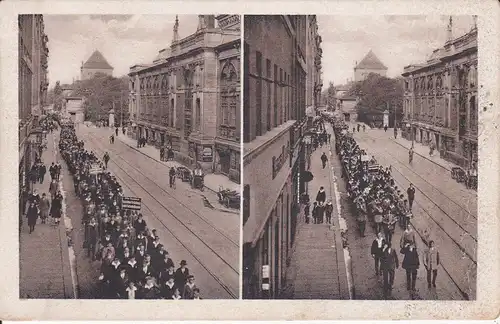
(228, 132)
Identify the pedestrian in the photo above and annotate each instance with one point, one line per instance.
(431, 263)
(361, 216)
(377, 251)
(162, 153)
(44, 207)
(389, 225)
(315, 212)
(411, 195)
(385, 128)
(408, 236)
(116, 131)
(324, 159)
(364, 127)
(306, 212)
(106, 160)
(354, 130)
(321, 196)
(180, 277)
(410, 155)
(58, 170)
(320, 213)
(389, 263)
(329, 211)
(41, 172)
(359, 126)
(189, 288)
(395, 132)
(32, 215)
(411, 264)
(56, 208)
(53, 187)
(33, 174)
(52, 170)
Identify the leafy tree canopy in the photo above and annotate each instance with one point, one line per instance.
(377, 93)
(102, 93)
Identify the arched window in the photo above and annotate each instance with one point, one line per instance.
(229, 95)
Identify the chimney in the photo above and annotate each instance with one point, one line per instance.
(450, 30)
(201, 22)
(210, 21)
(176, 30)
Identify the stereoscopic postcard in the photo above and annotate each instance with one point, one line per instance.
(299, 160)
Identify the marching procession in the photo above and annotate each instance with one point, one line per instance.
(377, 201)
(134, 264)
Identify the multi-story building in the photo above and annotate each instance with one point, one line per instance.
(33, 83)
(314, 54)
(369, 64)
(95, 64)
(275, 96)
(440, 100)
(189, 97)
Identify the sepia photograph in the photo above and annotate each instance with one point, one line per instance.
(360, 157)
(115, 112)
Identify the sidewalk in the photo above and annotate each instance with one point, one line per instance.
(43, 255)
(212, 181)
(317, 268)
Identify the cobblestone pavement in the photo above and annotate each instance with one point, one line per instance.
(43, 255)
(366, 284)
(206, 238)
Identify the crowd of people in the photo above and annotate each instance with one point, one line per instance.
(134, 264)
(377, 200)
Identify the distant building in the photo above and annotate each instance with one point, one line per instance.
(441, 102)
(95, 64)
(369, 64)
(188, 98)
(347, 106)
(75, 109)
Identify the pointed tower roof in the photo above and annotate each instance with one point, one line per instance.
(371, 61)
(97, 61)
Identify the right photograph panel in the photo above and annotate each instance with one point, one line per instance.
(360, 157)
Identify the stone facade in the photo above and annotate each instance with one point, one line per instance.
(33, 83)
(95, 64)
(441, 102)
(369, 64)
(278, 54)
(189, 97)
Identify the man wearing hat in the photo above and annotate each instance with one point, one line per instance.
(180, 277)
(189, 288)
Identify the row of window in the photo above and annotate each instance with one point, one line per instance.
(460, 77)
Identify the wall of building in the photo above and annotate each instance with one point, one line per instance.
(89, 73)
(441, 101)
(361, 74)
(269, 60)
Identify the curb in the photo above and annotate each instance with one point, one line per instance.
(341, 265)
(152, 158)
(442, 166)
(66, 266)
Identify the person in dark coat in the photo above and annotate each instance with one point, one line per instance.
(411, 195)
(52, 171)
(168, 288)
(32, 215)
(41, 172)
(377, 252)
(411, 264)
(389, 263)
(140, 225)
(320, 213)
(181, 275)
(56, 208)
(315, 212)
(324, 159)
(329, 211)
(321, 196)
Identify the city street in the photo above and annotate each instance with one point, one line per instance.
(206, 238)
(443, 209)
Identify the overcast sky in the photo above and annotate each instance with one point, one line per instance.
(396, 40)
(124, 40)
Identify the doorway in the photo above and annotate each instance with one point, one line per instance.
(225, 162)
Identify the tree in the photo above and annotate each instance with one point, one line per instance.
(376, 94)
(103, 93)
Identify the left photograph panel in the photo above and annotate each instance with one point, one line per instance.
(129, 156)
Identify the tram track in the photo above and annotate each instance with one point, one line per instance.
(194, 238)
(450, 271)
